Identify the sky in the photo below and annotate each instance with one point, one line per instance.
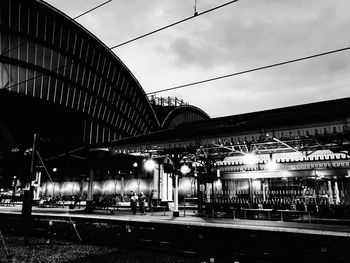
(240, 36)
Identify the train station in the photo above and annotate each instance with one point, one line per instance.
(80, 136)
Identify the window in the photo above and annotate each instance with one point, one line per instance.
(109, 70)
(52, 90)
(57, 34)
(47, 58)
(44, 87)
(23, 19)
(50, 24)
(22, 80)
(30, 82)
(14, 15)
(37, 84)
(13, 49)
(4, 12)
(67, 67)
(74, 98)
(54, 60)
(41, 26)
(23, 49)
(32, 14)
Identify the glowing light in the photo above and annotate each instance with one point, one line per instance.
(54, 169)
(256, 184)
(150, 165)
(271, 165)
(250, 159)
(185, 169)
(135, 164)
(50, 187)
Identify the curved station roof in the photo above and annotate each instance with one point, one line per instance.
(61, 82)
(47, 56)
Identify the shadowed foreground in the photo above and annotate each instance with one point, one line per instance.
(39, 251)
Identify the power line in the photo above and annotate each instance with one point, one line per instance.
(250, 70)
(92, 9)
(173, 24)
(27, 41)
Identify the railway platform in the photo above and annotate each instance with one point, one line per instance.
(187, 218)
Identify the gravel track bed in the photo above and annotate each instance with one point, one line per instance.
(57, 251)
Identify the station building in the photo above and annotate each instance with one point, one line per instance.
(59, 81)
(286, 156)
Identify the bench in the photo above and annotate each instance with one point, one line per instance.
(51, 204)
(297, 212)
(257, 211)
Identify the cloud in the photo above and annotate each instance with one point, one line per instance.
(238, 37)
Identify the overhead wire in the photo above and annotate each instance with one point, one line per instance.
(196, 14)
(249, 70)
(92, 9)
(66, 65)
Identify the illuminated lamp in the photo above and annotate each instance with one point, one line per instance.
(256, 184)
(185, 169)
(135, 164)
(271, 165)
(149, 165)
(250, 159)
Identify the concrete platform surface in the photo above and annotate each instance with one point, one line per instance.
(191, 218)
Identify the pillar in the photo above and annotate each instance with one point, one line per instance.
(90, 190)
(199, 194)
(164, 187)
(336, 193)
(251, 193)
(38, 183)
(156, 180)
(330, 190)
(122, 186)
(82, 188)
(176, 196)
(264, 191)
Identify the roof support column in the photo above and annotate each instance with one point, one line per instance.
(90, 190)
(176, 195)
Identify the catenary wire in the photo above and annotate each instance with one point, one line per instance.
(250, 70)
(64, 66)
(92, 9)
(173, 24)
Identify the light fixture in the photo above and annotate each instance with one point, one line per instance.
(135, 164)
(272, 165)
(149, 165)
(250, 159)
(185, 169)
(256, 184)
(54, 169)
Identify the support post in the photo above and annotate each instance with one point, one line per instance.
(28, 196)
(90, 191)
(199, 193)
(122, 186)
(251, 192)
(176, 196)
